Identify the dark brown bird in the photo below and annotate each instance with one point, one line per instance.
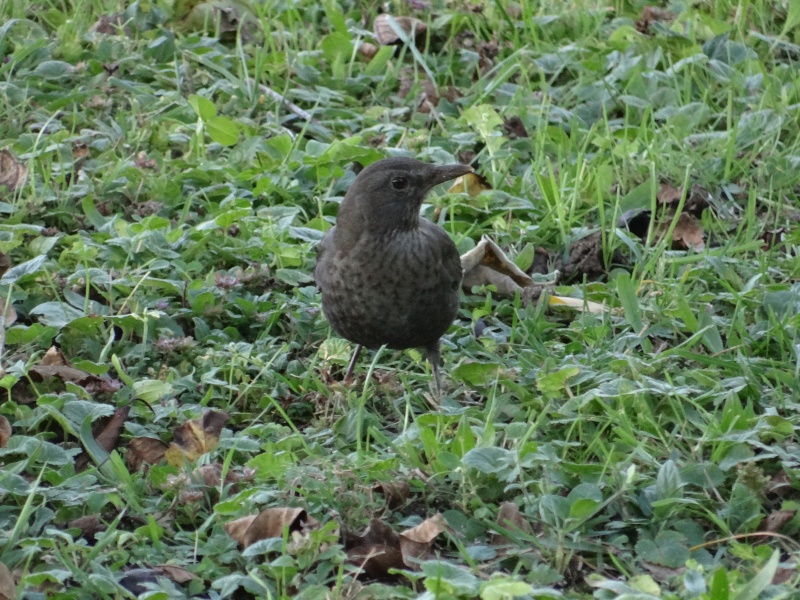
(387, 276)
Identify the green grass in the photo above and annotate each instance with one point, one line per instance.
(164, 240)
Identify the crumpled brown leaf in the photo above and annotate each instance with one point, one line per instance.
(471, 183)
(380, 548)
(195, 438)
(13, 173)
(144, 450)
(387, 35)
(395, 492)
(487, 264)
(8, 589)
(269, 523)
(5, 431)
(511, 519)
(688, 233)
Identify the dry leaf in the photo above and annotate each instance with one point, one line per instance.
(578, 303)
(514, 127)
(13, 173)
(775, 520)
(40, 373)
(386, 34)
(54, 357)
(651, 14)
(471, 183)
(376, 550)
(511, 519)
(367, 50)
(106, 433)
(395, 492)
(688, 234)
(270, 523)
(176, 573)
(89, 525)
(415, 543)
(668, 194)
(7, 312)
(195, 438)
(144, 450)
(8, 589)
(5, 263)
(487, 263)
(5, 431)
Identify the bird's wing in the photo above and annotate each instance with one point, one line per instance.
(325, 252)
(448, 253)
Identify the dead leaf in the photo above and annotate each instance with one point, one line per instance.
(111, 25)
(514, 127)
(585, 260)
(779, 485)
(415, 543)
(176, 573)
(106, 433)
(5, 263)
(13, 173)
(5, 431)
(54, 357)
(8, 313)
(142, 162)
(195, 438)
(775, 520)
(8, 589)
(511, 519)
(668, 194)
(89, 525)
(376, 551)
(471, 183)
(367, 50)
(594, 308)
(386, 33)
(144, 450)
(395, 492)
(270, 523)
(486, 264)
(688, 234)
(651, 14)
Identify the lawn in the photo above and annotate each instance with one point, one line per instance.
(621, 387)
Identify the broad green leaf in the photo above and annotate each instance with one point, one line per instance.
(222, 130)
(760, 582)
(151, 390)
(29, 267)
(504, 589)
(203, 107)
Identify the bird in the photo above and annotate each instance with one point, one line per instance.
(389, 277)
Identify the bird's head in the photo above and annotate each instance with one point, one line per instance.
(387, 194)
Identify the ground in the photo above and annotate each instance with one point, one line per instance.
(174, 421)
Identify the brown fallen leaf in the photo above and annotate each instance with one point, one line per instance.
(415, 543)
(486, 264)
(13, 173)
(5, 263)
(688, 234)
(367, 50)
(8, 589)
(270, 523)
(195, 438)
(668, 194)
(395, 492)
(386, 31)
(144, 450)
(775, 520)
(651, 14)
(66, 374)
(375, 551)
(7, 313)
(176, 573)
(471, 183)
(511, 519)
(514, 127)
(89, 525)
(5, 431)
(54, 357)
(106, 433)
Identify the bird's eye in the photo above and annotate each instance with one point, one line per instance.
(400, 183)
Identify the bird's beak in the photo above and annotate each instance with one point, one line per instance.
(447, 172)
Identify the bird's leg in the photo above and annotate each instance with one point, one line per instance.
(349, 375)
(435, 359)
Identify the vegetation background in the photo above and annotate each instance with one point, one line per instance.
(173, 420)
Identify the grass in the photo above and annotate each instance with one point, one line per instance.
(164, 238)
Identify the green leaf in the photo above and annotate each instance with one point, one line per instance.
(29, 267)
(524, 259)
(490, 460)
(444, 577)
(57, 314)
(151, 390)
(720, 588)
(223, 130)
(476, 373)
(760, 582)
(203, 107)
(503, 588)
(377, 66)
